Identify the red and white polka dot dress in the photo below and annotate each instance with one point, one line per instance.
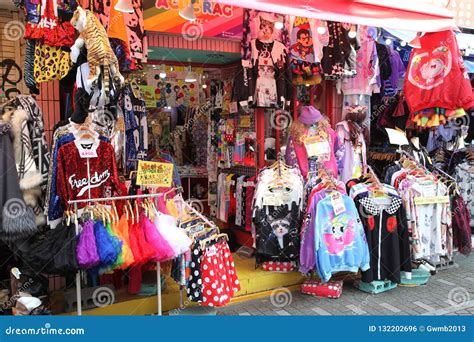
(218, 274)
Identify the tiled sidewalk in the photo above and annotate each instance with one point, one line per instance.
(449, 292)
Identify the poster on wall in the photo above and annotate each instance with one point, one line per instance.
(173, 91)
(213, 19)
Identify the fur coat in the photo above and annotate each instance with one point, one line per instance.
(17, 221)
(30, 179)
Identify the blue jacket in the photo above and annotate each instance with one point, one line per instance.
(340, 242)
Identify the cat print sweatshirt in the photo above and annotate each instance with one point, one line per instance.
(340, 242)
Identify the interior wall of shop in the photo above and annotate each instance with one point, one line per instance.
(14, 49)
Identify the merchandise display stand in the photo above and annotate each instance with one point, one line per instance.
(78, 275)
(376, 286)
(158, 266)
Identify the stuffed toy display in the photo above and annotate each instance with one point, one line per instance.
(100, 55)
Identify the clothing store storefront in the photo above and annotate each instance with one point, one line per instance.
(173, 157)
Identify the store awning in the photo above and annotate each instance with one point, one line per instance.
(411, 15)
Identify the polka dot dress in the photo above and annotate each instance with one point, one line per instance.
(218, 275)
(194, 286)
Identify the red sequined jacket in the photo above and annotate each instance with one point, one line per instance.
(82, 178)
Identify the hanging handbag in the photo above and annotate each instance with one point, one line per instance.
(51, 63)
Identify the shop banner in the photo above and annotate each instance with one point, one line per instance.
(154, 174)
(213, 19)
(219, 329)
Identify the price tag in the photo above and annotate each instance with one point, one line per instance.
(211, 251)
(431, 200)
(87, 152)
(337, 203)
(315, 147)
(156, 128)
(272, 199)
(233, 108)
(244, 121)
(121, 124)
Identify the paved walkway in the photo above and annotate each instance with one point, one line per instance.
(449, 292)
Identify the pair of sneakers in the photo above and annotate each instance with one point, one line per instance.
(425, 265)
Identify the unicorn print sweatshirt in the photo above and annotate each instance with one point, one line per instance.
(340, 242)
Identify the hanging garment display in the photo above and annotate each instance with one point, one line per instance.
(134, 25)
(136, 126)
(333, 238)
(339, 56)
(366, 80)
(30, 178)
(436, 75)
(277, 213)
(385, 222)
(49, 30)
(352, 151)
(306, 48)
(264, 57)
(17, 219)
(86, 169)
(429, 222)
(464, 174)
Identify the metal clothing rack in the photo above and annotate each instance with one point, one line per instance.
(78, 274)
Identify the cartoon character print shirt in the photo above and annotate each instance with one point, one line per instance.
(436, 75)
(82, 178)
(306, 43)
(340, 243)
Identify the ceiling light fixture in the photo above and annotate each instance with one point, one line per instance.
(388, 41)
(403, 43)
(279, 23)
(190, 76)
(124, 6)
(321, 30)
(188, 12)
(353, 32)
(163, 71)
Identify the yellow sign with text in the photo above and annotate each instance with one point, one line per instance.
(155, 174)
